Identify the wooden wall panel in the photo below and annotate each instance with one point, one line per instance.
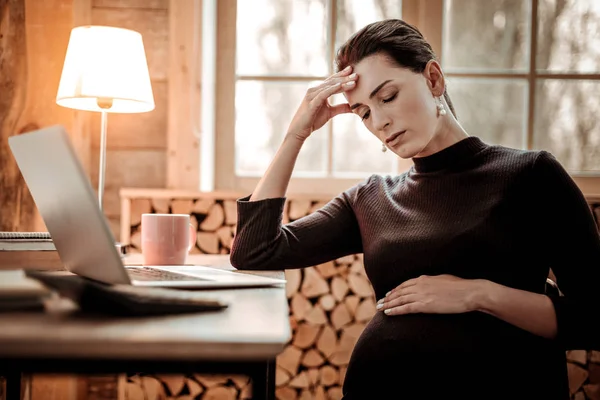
(49, 25)
(114, 225)
(131, 131)
(98, 387)
(129, 168)
(28, 89)
(150, 4)
(151, 23)
(183, 143)
(17, 205)
(53, 387)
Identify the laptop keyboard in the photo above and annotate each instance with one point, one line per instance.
(152, 274)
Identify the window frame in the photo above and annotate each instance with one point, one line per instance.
(428, 16)
(589, 183)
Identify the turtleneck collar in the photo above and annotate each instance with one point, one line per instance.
(445, 158)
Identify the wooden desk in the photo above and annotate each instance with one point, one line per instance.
(243, 339)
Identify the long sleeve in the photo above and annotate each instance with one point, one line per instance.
(570, 240)
(262, 242)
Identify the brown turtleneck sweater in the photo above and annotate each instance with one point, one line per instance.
(472, 210)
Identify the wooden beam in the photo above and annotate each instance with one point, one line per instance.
(154, 193)
(17, 209)
(36, 37)
(427, 16)
(410, 11)
(183, 129)
(48, 28)
(225, 178)
(146, 4)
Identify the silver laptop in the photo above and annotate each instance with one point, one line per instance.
(81, 234)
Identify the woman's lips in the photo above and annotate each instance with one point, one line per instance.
(394, 136)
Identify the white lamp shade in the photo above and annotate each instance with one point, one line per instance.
(105, 66)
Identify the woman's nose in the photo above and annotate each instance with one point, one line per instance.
(382, 123)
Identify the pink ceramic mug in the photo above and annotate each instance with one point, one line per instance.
(166, 238)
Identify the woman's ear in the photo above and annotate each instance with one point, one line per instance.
(435, 78)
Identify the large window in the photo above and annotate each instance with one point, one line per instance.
(522, 73)
(282, 47)
(525, 73)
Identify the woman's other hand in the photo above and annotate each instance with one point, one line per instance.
(441, 294)
(315, 110)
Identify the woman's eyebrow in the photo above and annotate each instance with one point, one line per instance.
(373, 93)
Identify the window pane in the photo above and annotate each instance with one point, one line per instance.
(282, 37)
(489, 35)
(569, 36)
(492, 109)
(352, 15)
(263, 112)
(567, 122)
(356, 150)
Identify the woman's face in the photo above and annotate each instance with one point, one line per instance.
(397, 105)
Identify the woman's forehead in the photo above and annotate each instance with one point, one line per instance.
(372, 71)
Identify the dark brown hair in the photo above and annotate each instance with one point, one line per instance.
(401, 42)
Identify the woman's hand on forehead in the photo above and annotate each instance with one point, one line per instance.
(315, 110)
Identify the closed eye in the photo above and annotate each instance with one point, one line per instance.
(389, 99)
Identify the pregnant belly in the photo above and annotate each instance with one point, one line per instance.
(422, 333)
(459, 349)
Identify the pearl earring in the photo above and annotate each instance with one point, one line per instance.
(383, 148)
(440, 107)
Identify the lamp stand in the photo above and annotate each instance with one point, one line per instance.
(102, 168)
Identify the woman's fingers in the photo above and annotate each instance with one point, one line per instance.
(321, 95)
(343, 72)
(399, 301)
(312, 114)
(325, 93)
(347, 82)
(340, 109)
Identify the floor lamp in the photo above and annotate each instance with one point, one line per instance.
(105, 70)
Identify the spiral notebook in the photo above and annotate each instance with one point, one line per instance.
(28, 250)
(26, 241)
(25, 235)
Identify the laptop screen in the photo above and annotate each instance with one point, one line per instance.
(68, 204)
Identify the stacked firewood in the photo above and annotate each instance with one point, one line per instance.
(330, 305)
(185, 387)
